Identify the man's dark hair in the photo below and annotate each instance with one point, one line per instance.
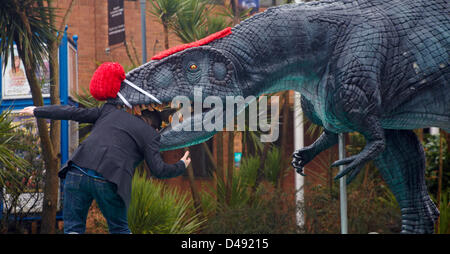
(152, 117)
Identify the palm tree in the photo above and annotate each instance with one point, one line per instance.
(233, 12)
(165, 11)
(194, 21)
(28, 26)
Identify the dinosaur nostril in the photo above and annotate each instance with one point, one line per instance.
(220, 71)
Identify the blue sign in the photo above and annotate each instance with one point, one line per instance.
(237, 159)
(247, 4)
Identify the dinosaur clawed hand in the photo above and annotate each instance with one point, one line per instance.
(356, 162)
(301, 157)
(355, 165)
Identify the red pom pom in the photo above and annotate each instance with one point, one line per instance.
(106, 81)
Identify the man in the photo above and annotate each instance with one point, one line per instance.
(102, 167)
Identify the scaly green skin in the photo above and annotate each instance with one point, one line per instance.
(378, 67)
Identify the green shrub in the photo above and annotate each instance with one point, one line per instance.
(371, 207)
(251, 209)
(271, 214)
(444, 217)
(248, 170)
(272, 166)
(157, 209)
(431, 147)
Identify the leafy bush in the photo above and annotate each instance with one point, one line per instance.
(444, 217)
(250, 209)
(156, 209)
(431, 147)
(21, 172)
(270, 213)
(272, 166)
(370, 208)
(248, 170)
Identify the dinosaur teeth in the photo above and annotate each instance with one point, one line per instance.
(137, 110)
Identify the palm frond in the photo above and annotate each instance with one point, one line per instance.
(11, 165)
(165, 10)
(85, 98)
(25, 24)
(156, 209)
(190, 22)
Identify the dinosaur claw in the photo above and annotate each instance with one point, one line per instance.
(343, 161)
(298, 167)
(351, 177)
(300, 171)
(301, 157)
(353, 169)
(340, 174)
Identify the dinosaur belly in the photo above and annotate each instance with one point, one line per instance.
(427, 108)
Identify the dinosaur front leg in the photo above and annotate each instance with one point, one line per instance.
(374, 146)
(358, 111)
(402, 165)
(327, 139)
(302, 156)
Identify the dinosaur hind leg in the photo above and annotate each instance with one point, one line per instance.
(402, 165)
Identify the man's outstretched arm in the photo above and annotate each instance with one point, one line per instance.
(64, 112)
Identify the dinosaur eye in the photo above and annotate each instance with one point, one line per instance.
(193, 67)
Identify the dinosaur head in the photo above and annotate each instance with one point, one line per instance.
(155, 84)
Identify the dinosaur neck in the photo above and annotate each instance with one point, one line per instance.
(279, 51)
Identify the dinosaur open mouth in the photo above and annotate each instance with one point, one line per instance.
(165, 112)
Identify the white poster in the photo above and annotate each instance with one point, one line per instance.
(73, 71)
(15, 84)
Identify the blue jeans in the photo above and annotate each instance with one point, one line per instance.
(79, 192)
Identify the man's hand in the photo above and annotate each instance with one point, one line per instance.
(28, 111)
(186, 159)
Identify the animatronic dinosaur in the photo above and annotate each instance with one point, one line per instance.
(377, 67)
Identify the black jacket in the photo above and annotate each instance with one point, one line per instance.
(117, 143)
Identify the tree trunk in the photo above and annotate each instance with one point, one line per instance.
(210, 156)
(284, 150)
(220, 166)
(166, 36)
(51, 186)
(194, 190)
(260, 173)
(127, 50)
(51, 175)
(234, 8)
(50, 158)
(230, 166)
(441, 168)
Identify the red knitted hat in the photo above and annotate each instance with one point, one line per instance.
(106, 81)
